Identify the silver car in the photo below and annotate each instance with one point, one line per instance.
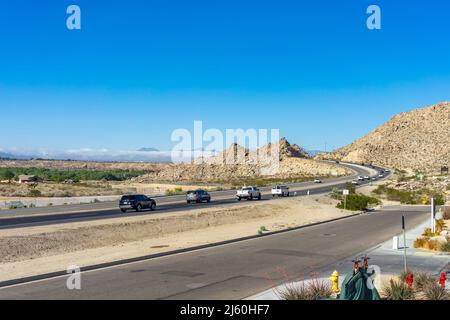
(198, 196)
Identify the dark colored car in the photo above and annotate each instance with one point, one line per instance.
(136, 202)
(198, 196)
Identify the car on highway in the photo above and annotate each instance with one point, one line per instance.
(366, 178)
(137, 202)
(360, 178)
(355, 182)
(248, 193)
(317, 181)
(280, 191)
(198, 196)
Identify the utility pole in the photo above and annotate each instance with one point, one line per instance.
(433, 215)
(404, 242)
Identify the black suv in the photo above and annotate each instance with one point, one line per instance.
(198, 196)
(136, 202)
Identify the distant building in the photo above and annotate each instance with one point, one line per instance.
(29, 178)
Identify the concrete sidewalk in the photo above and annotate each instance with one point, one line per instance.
(390, 262)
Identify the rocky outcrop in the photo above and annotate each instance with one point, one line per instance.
(415, 141)
(236, 162)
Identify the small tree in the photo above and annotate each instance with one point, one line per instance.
(8, 175)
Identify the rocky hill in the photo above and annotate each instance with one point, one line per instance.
(414, 141)
(238, 154)
(237, 163)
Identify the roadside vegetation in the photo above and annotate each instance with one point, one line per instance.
(354, 201)
(423, 287)
(174, 191)
(437, 241)
(56, 189)
(313, 290)
(269, 181)
(422, 196)
(53, 175)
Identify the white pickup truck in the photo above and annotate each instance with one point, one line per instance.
(280, 191)
(248, 193)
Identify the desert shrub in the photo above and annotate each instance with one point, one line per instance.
(440, 225)
(408, 197)
(431, 245)
(35, 193)
(420, 242)
(357, 202)
(444, 246)
(439, 199)
(320, 289)
(433, 291)
(74, 175)
(428, 232)
(7, 175)
(314, 290)
(446, 213)
(336, 194)
(421, 280)
(175, 191)
(398, 290)
(292, 292)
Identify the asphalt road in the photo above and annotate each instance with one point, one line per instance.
(232, 271)
(19, 218)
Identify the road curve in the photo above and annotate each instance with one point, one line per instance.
(20, 218)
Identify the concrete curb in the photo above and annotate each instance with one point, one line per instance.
(55, 274)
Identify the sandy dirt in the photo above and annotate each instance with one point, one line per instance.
(43, 249)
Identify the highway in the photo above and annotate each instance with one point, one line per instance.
(19, 218)
(232, 271)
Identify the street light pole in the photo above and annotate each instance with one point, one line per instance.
(404, 242)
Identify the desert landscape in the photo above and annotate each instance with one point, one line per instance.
(113, 178)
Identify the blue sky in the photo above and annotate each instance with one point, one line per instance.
(137, 70)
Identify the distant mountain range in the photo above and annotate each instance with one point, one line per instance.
(142, 155)
(145, 154)
(148, 150)
(313, 153)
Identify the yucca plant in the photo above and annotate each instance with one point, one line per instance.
(433, 291)
(398, 290)
(421, 280)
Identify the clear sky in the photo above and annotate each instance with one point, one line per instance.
(137, 70)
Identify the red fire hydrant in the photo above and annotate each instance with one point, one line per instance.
(410, 280)
(442, 280)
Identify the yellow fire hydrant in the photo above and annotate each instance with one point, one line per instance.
(334, 279)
